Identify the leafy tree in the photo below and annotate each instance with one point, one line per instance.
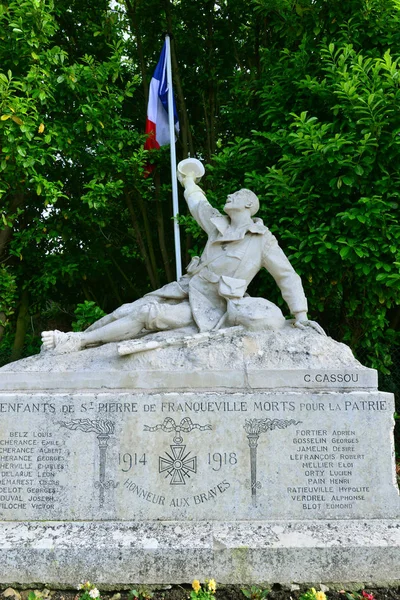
(325, 162)
(298, 101)
(61, 122)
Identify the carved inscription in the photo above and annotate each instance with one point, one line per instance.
(330, 461)
(331, 378)
(195, 456)
(30, 465)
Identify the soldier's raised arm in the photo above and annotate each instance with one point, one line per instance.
(199, 206)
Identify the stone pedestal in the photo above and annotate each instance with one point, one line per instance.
(123, 552)
(246, 472)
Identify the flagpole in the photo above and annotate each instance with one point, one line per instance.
(175, 205)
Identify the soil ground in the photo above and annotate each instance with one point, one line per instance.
(226, 592)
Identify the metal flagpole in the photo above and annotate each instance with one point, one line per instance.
(175, 205)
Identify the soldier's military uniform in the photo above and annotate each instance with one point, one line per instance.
(229, 262)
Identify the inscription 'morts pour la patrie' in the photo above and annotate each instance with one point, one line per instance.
(188, 406)
(180, 455)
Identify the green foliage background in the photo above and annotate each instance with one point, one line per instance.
(297, 100)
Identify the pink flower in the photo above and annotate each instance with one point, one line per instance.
(367, 596)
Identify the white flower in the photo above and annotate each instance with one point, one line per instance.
(79, 586)
(94, 593)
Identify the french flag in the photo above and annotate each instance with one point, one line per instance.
(157, 127)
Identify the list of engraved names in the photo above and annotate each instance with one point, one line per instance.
(332, 464)
(30, 462)
(177, 455)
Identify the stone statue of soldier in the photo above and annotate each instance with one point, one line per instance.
(212, 293)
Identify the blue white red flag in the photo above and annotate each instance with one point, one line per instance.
(157, 110)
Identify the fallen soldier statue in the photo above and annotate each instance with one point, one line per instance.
(212, 293)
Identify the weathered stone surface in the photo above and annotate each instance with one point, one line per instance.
(243, 552)
(231, 348)
(259, 452)
(196, 456)
(127, 469)
(290, 359)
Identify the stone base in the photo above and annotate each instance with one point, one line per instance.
(116, 553)
(123, 469)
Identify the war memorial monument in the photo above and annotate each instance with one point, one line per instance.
(197, 432)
